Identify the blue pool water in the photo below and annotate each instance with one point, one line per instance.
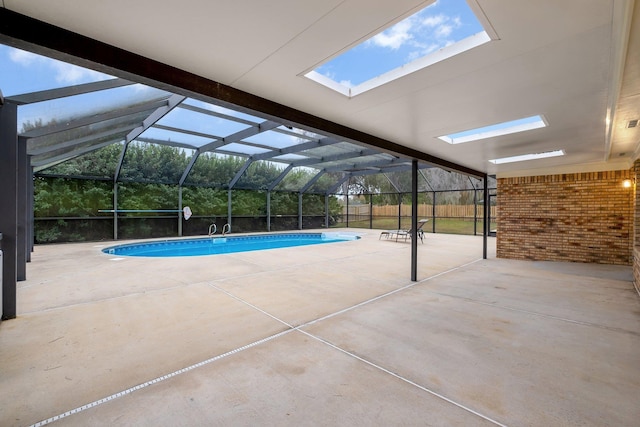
(224, 245)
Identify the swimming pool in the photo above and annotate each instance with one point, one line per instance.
(224, 245)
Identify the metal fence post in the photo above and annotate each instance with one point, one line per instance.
(268, 210)
(433, 213)
(485, 228)
(347, 209)
(229, 207)
(300, 211)
(399, 211)
(414, 220)
(179, 211)
(475, 212)
(115, 210)
(326, 211)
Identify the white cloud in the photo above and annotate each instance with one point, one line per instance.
(71, 74)
(432, 21)
(61, 71)
(424, 34)
(330, 74)
(395, 36)
(23, 57)
(443, 31)
(413, 55)
(441, 26)
(427, 49)
(346, 83)
(412, 38)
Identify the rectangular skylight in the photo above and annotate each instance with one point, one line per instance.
(506, 128)
(443, 29)
(524, 157)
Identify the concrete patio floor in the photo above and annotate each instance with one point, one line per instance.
(331, 334)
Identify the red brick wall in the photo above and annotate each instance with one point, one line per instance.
(636, 268)
(636, 228)
(580, 217)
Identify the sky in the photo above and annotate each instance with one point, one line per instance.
(24, 72)
(439, 25)
(512, 126)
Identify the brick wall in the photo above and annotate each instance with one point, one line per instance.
(636, 229)
(636, 269)
(580, 217)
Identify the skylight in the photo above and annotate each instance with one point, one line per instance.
(505, 128)
(525, 157)
(441, 30)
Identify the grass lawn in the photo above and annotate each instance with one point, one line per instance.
(442, 225)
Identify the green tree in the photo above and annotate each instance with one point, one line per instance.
(214, 170)
(284, 203)
(248, 203)
(259, 175)
(98, 163)
(147, 196)
(153, 163)
(60, 197)
(205, 201)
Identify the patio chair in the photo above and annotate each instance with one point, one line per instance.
(406, 234)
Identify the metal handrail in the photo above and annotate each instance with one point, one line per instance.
(215, 228)
(226, 229)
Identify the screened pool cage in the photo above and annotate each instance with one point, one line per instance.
(111, 159)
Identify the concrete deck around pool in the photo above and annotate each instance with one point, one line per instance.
(331, 334)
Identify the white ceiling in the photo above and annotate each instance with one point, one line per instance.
(569, 60)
